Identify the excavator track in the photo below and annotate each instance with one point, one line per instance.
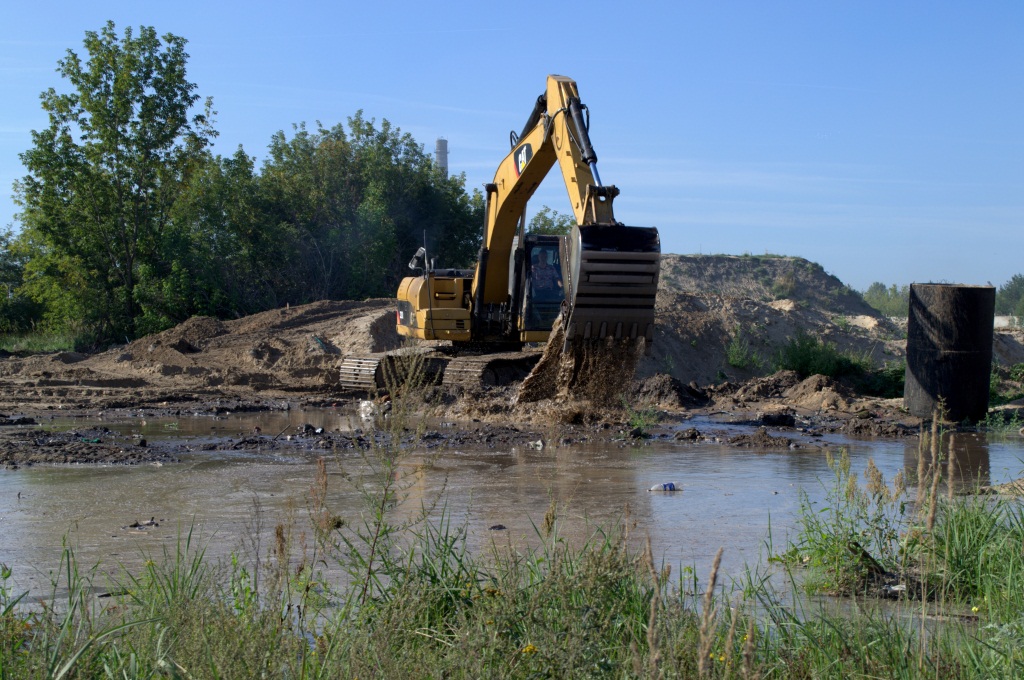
(379, 371)
(362, 372)
(489, 370)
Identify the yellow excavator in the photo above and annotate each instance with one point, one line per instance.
(599, 282)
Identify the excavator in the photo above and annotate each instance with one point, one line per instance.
(595, 286)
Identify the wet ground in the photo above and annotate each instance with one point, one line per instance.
(495, 480)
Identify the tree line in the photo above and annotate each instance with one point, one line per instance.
(895, 300)
(130, 223)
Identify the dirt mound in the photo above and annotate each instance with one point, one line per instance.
(293, 350)
(665, 391)
(762, 279)
(1008, 346)
(770, 387)
(709, 338)
(818, 393)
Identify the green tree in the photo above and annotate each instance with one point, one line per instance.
(222, 257)
(104, 177)
(890, 301)
(548, 221)
(1010, 296)
(353, 204)
(17, 312)
(11, 265)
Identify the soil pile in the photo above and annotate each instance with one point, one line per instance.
(288, 351)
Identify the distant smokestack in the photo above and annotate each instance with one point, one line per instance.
(441, 155)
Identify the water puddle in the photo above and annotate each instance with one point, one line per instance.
(729, 497)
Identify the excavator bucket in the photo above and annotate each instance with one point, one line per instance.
(613, 281)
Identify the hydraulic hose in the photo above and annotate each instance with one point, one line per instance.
(583, 137)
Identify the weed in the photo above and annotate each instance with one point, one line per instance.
(852, 523)
(639, 419)
(784, 286)
(842, 322)
(887, 382)
(739, 355)
(808, 356)
(1002, 422)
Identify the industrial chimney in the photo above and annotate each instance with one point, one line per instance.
(441, 155)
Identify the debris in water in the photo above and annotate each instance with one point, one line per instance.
(666, 486)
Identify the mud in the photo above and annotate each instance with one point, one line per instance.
(95, 446)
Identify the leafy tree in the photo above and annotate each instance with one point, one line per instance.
(353, 204)
(891, 301)
(17, 312)
(548, 221)
(105, 175)
(1010, 296)
(220, 256)
(11, 265)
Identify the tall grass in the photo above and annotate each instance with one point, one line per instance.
(39, 343)
(417, 602)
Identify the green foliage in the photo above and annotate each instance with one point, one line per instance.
(640, 419)
(1017, 372)
(18, 313)
(1005, 384)
(1010, 297)
(130, 225)
(39, 342)
(887, 382)
(850, 523)
(891, 301)
(548, 221)
(976, 552)
(352, 205)
(784, 286)
(1002, 422)
(738, 353)
(106, 173)
(809, 356)
(11, 264)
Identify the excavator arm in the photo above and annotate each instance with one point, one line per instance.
(602, 286)
(611, 270)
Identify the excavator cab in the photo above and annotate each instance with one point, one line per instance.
(543, 284)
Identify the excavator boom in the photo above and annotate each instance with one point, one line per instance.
(611, 270)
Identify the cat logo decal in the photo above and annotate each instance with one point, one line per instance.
(522, 156)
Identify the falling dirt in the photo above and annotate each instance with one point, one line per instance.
(593, 371)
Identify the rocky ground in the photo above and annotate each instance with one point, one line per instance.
(720, 321)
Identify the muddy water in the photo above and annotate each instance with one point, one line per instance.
(730, 497)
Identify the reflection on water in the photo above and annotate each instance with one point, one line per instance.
(964, 459)
(730, 497)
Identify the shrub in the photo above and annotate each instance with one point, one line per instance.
(886, 382)
(808, 356)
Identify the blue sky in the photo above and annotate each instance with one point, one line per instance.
(883, 140)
